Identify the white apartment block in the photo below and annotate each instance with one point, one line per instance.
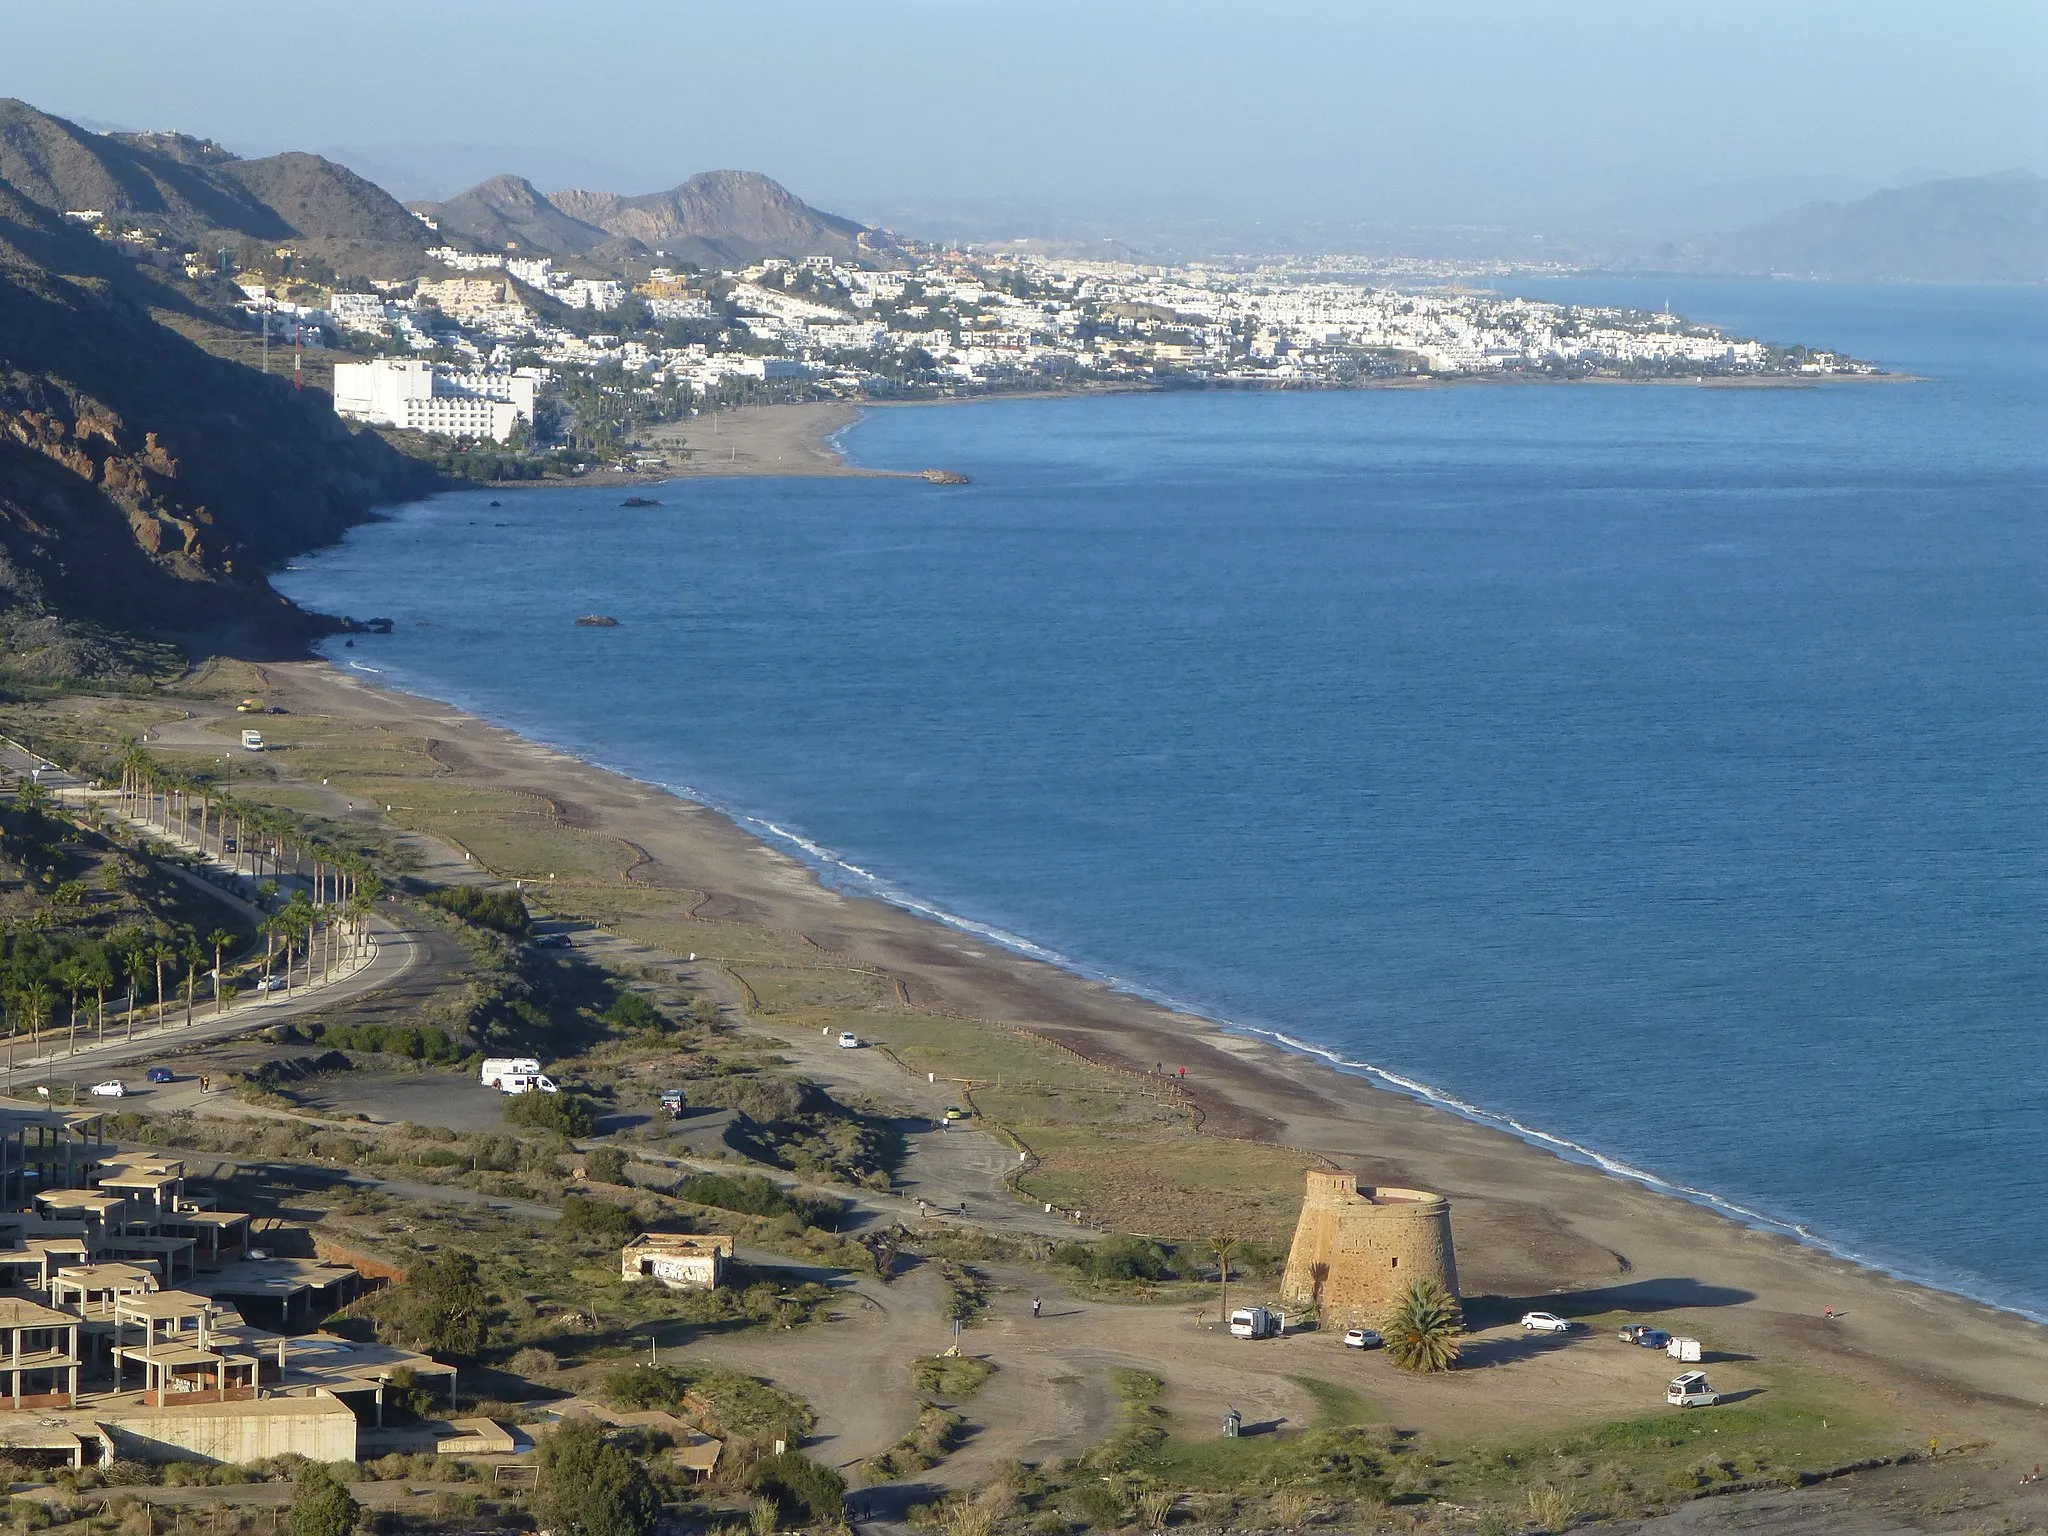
(415, 395)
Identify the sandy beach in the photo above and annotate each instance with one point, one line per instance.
(1531, 1228)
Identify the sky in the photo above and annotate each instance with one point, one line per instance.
(1445, 112)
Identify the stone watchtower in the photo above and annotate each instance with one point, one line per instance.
(1356, 1249)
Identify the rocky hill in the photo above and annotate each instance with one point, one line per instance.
(193, 189)
(1959, 230)
(719, 218)
(146, 486)
(509, 210)
(724, 218)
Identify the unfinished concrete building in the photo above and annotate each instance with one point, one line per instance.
(122, 1328)
(1356, 1249)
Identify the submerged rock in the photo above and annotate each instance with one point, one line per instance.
(639, 501)
(945, 477)
(598, 621)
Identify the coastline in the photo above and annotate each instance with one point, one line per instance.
(1531, 1222)
(801, 438)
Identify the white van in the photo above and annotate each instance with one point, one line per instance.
(529, 1082)
(1682, 1348)
(253, 740)
(1254, 1323)
(1692, 1390)
(498, 1069)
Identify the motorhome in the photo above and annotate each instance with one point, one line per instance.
(497, 1069)
(252, 741)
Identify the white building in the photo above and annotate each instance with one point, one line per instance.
(397, 392)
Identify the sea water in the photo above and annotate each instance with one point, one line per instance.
(1659, 769)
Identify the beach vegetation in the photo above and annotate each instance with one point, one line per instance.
(950, 1378)
(500, 910)
(1117, 1257)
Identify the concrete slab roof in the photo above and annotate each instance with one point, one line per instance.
(272, 1277)
(19, 1312)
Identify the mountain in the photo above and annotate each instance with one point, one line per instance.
(509, 210)
(725, 219)
(145, 484)
(1958, 230)
(321, 200)
(195, 190)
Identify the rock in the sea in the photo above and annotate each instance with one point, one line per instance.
(598, 621)
(639, 501)
(945, 477)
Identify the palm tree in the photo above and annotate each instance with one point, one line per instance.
(137, 967)
(99, 975)
(1422, 1328)
(194, 958)
(1225, 1249)
(220, 939)
(159, 952)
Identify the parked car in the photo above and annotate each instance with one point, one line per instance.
(848, 1040)
(112, 1088)
(1362, 1338)
(161, 1075)
(551, 941)
(1645, 1335)
(1682, 1348)
(955, 1113)
(1545, 1322)
(273, 983)
(1692, 1390)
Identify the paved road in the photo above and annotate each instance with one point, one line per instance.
(397, 951)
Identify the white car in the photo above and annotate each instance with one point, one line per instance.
(1545, 1322)
(1362, 1338)
(273, 984)
(113, 1088)
(848, 1040)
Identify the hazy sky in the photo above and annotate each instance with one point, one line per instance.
(1455, 109)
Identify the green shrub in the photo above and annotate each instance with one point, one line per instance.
(750, 1194)
(503, 911)
(801, 1488)
(428, 1043)
(563, 1113)
(598, 1219)
(634, 1014)
(1118, 1257)
(607, 1165)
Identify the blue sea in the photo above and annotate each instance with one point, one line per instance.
(1661, 770)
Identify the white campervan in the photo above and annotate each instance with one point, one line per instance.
(252, 740)
(499, 1070)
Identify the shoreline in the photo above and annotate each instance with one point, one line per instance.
(1534, 1222)
(838, 876)
(801, 438)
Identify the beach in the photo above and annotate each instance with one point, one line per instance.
(1531, 1228)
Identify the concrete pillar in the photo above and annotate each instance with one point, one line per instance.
(380, 1403)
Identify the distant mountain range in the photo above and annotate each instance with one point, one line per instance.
(1957, 230)
(715, 219)
(195, 190)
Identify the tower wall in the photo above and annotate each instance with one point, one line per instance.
(1356, 1249)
